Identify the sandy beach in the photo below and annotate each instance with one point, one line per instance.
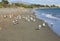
(23, 30)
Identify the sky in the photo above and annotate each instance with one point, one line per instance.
(48, 2)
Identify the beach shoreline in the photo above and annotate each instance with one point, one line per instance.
(24, 30)
(49, 18)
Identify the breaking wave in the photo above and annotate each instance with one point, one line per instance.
(50, 16)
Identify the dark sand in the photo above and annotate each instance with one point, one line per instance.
(24, 30)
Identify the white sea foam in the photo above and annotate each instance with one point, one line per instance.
(50, 16)
(43, 14)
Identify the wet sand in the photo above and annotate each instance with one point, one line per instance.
(24, 30)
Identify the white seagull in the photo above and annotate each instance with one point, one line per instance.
(39, 26)
(44, 24)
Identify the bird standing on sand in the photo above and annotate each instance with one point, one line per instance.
(10, 16)
(28, 20)
(15, 22)
(5, 16)
(44, 24)
(32, 19)
(39, 27)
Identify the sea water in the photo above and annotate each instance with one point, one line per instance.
(51, 16)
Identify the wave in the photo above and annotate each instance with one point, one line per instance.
(50, 16)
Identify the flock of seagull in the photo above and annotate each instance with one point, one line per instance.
(28, 18)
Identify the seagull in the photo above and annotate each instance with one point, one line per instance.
(5, 16)
(10, 16)
(31, 18)
(44, 24)
(14, 22)
(28, 20)
(39, 27)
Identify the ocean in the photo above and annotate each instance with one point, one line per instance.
(51, 16)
